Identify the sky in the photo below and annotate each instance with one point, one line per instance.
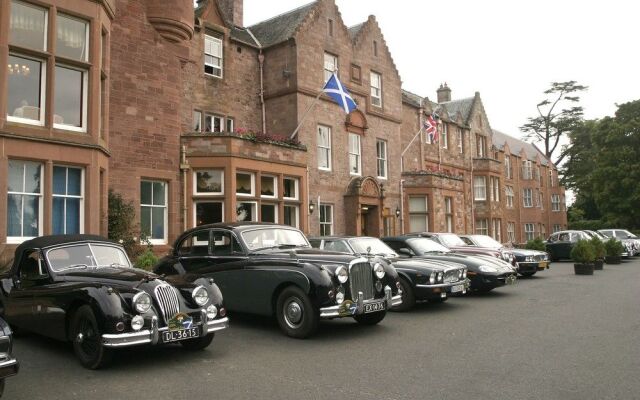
(509, 51)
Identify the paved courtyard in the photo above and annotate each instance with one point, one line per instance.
(554, 336)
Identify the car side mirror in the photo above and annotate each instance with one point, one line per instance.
(406, 252)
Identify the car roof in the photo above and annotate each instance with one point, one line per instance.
(339, 237)
(237, 226)
(55, 240)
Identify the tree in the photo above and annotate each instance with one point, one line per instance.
(558, 115)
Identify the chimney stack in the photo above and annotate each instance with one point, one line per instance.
(444, 93)
(233, 11)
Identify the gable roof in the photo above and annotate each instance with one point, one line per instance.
(517, 146)
(281, 27)
(354, 30)
(411, 98)
(462, 106)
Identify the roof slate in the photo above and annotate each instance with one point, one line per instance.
(411, 98)
(281, 27)
(516, 146)
(462, 106)
(354, 30)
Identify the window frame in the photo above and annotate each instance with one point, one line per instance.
(444, 136)
(528, 204)
(326, 223)
(326, 72)
(482, 226)
(43, 90)
(448, 213)
(221, 57)
(275, 211)
(85, 100)
(384, 159)
(296, 188)
(555, 203)
(511, 232)
(529, 234)
(476, 197)
(358, 155)
(40, 195)
(195, 182)
(460, 141)
(254, 207)
(81, 197)
(376, 91)
(164, 239)
(252, 180)
(418, 214)
(295, 207)
(201, 201)
(326, 149)
(275, 186)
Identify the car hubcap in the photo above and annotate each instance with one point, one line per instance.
(87, 338)
(293, 313)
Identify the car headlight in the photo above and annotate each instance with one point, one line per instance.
(142, 302)
(200, 295)
(487, 268)
(459, 274)
(137, 322)
(432, 278)
(464, 273)
(379, 270)
(212, 311)
(440, 276)
(342, 274)
(528, 259)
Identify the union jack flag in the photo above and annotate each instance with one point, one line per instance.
(431, 129)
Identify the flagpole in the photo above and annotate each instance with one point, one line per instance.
(306, 113)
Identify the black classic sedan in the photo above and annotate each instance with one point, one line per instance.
(419, 279)
(485, 272)
(527, 262)
(83, 289)
(8, 364)
(272, 269)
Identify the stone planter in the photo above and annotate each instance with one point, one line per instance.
(583, 269)
(613, 259)
(598, 265)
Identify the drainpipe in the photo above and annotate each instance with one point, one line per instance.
(184, 167)
(264, 116)
(401, 206)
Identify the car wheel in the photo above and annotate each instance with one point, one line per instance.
(530, 273)
(1, 387)
(438, 300)
(87, 339)
(408, 297)
(296, 315)
(197, 343)
(370, 319)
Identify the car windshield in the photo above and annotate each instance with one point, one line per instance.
(424, 245)
(372, 246)
(87, 255)
(486, 241)
(449, 240)
(266, 238)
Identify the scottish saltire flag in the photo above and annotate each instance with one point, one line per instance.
(431, 129)
(334, 89)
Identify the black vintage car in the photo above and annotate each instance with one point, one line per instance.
(8, 364)
(83, 289)
(485, 272)
(527, 262)
(420, 279)
(271, 269)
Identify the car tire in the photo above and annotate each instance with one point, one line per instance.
(408, 297)
(87, 339)
(296, 315)
(531, 273)
(197, 343)
(1, 387)
(370, 319)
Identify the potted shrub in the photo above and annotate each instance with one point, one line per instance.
(613, 251)
(599, 252)
(535, 244)
(583, 256)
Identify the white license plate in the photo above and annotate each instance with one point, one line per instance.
(374, 307)
(180, 334)
(457, 288)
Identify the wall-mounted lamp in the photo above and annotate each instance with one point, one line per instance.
(312, 207)
(397, 212)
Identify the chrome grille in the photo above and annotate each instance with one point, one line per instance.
(451, 276)
(167, 298)
(361, 278)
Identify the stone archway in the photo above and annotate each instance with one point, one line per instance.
(364, 200)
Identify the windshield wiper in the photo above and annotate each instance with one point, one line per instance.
(75, 266)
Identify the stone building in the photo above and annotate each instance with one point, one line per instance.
(188, 114)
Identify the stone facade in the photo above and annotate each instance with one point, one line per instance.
(188, 115)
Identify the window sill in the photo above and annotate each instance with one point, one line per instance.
(18, 239)
(25, 121)
(70, 128)
(324, 169)
(156, 242)
(208, 194)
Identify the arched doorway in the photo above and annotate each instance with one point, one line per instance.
(364, 202)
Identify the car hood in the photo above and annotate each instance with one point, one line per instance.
(310, 255)
(472, 262)
(424, 264)
(526, 252)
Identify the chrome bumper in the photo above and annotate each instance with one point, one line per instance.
(9, 367)
(389, 299)
(152, 335)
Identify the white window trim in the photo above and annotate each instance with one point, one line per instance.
(325, 223)
(385, 159)
(445, 136)
(296, 188)
(527, 232)
(325, 148)
(212, 117)
(81, 197)
(275, 214)
(20, 239)
(253, 184)
(195, 182)
(378, 89)
(43, 91)
(358, 154)
(511, 232)
(164, 239)
(460, 141)
(255, 209)
(85, 100)
(327, 73)
(296, 207)
(275, 187)
(482, 226)
(525, 197)
(196, 202)
(475, 187)
(215, 39)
